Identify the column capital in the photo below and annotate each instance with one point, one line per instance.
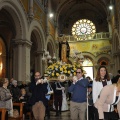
(37, 53)
(22, 42)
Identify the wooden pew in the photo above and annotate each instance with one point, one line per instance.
(3, 113)
(21, 112)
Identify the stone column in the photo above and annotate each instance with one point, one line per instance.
(47, 23)
(31, 14)
(26, 61)
(39, 66)
(15, 63)
(56, 31)
(118, 63)
(21, 60)
(109, 25)
(115, 64)
(95, 68)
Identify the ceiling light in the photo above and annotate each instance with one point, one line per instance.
(51, 15)
(110, 7)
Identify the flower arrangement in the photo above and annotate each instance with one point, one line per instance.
(59, 68)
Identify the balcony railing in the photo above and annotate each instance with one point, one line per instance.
(96, 36)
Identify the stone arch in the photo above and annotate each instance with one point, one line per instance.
(85, 54)
(50, 45)
(36, 35)
(18, 16)
(90, 55)
(15, 22)
(104, 56)
(36, 28)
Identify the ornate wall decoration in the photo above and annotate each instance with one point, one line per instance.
(25, 5)
(39, 15)
(83, 29)
(94, 47)
(51, 29)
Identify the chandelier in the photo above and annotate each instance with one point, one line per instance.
(47, 58)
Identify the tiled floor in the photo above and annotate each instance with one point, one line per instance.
(64, 116)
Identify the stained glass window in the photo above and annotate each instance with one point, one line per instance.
(83, 29)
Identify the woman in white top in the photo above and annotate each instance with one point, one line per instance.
(102, 79)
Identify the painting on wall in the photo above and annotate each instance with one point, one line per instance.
(94, 47)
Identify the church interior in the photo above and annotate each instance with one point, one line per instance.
(31, 27)
(37, 33)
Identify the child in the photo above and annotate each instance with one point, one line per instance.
(24, 98)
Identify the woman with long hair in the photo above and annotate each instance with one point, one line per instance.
(102, 79)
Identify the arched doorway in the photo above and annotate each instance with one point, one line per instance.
(88, 67)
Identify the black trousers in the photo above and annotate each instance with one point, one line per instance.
(90, 113)
(58, 103)
(107, 115)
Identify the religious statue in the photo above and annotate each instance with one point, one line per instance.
(64, 50)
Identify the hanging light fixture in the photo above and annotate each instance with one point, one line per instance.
(47, 57)
(78, 56)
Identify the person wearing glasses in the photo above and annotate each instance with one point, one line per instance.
(78, 89)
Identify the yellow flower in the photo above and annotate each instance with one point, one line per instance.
(53, 74)
(61, 69)
(74, 69)
(57, 74)
(56, 66)
(74, 73)
(69, 72)
(56, 69)
(52, 67)
(63, 66)
(65, 71)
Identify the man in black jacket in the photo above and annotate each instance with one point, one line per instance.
(38, 99)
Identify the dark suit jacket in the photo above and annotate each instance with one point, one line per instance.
(38, 94)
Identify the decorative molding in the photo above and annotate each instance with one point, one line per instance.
(22, 42)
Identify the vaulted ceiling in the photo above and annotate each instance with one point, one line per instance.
(67, 12)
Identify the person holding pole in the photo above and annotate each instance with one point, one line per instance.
(78, 103)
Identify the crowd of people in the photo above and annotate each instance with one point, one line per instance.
(100, 97)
